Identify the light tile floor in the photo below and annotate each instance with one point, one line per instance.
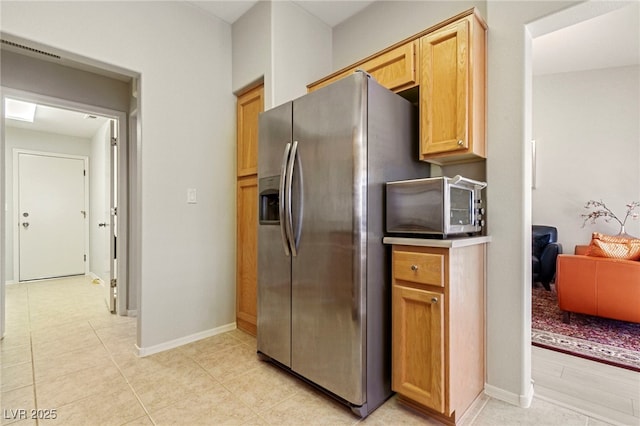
(62, 351)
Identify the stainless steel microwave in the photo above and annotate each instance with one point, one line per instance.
(438, 206)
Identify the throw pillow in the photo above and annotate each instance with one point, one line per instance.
(538, 243)
(614, 247)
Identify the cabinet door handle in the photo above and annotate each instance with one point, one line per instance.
(414, 267)
(434, 300)
(460, 142)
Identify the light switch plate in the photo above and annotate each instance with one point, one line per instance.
(192, 196)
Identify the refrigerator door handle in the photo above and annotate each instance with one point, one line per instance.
(283, 198)
(289, 174)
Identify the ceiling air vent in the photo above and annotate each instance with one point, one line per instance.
(30, 49)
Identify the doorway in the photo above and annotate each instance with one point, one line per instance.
(65, 134)
(582, 99)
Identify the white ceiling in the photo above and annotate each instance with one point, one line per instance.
(609, 40)
(330, 12)
(606, 41)
(61, 121)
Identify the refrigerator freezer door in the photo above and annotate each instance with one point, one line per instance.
(329, 272)
(274, 266)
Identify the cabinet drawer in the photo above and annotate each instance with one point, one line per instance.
(424, 268)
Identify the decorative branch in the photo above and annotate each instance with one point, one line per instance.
(601, 210)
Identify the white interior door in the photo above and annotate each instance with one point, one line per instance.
(112, 224)
(52, 214)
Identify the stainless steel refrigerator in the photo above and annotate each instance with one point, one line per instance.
(323, 273)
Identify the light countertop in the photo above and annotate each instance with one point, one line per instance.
(432, 242)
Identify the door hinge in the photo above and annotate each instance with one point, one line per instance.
(114, 141)
(84, 173)
(114, 211)
(85, 257)
(114, 282)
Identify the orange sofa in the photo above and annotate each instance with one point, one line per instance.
(598, 286)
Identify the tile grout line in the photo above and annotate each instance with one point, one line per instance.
(33, 366)
(471, 421)
(123, 376)
(241, 343)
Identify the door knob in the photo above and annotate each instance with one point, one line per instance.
(102, 225)
(25, 225)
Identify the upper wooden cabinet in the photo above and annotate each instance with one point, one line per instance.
(452, 92)
(249, 105)
(448, 62)
(395, 69)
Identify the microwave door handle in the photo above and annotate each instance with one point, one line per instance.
(282, 196)
(289, 182)
(479, 185)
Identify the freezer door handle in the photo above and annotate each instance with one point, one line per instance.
(289, 218)
(282, 196)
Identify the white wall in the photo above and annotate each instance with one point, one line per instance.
(301, 51)
(282, 43)
(251, 38)
(99, 203)
(187, 124)
(17, 138)
(588, 147)
(509, 197)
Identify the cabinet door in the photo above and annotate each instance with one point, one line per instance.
(418, 345)
(396, 69)
(247, 255)
(444, 89)
(250, 104)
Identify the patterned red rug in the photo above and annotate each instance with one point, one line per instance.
(601, 339)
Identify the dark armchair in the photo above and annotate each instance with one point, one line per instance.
(544, 251)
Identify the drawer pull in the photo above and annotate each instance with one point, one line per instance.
(434, 300)
(414, 267)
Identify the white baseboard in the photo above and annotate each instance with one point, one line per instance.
(146, 351)
(523, 401)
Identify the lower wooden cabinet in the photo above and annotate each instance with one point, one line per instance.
(438, 351)
(247, 255)
(418, 345)
(249, 106)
